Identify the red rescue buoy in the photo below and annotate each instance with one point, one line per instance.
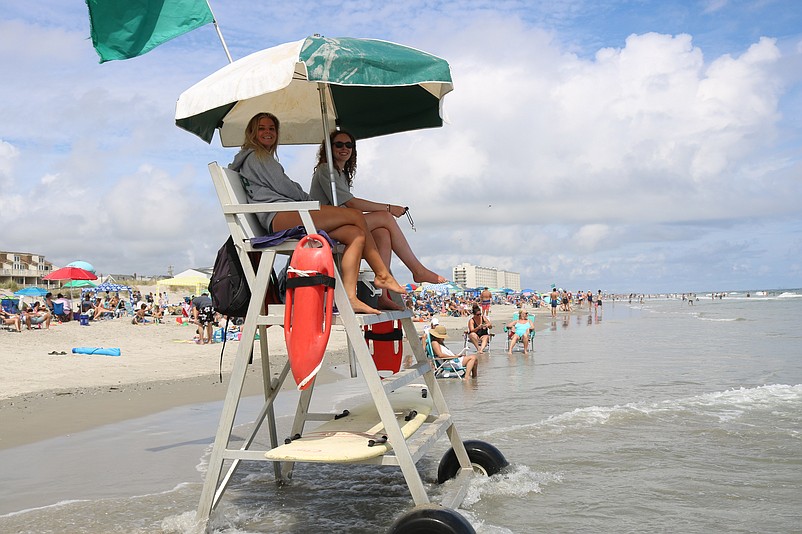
(385, 343)
(308, 307)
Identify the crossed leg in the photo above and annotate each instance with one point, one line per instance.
(348, 226)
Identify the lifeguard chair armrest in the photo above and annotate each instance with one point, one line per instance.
(267, 207)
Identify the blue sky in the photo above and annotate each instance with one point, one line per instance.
(615, 145)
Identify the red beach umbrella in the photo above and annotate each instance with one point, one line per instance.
(70, 273)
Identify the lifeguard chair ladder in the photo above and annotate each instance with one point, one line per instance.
(242, 223)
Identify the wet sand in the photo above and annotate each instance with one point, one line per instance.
(160, 367)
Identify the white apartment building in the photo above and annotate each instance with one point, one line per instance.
(467, 275)
(23, 268)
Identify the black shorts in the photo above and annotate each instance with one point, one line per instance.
(206, 315)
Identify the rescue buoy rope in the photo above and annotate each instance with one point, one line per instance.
(301, 272)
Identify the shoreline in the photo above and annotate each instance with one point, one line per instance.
(48, 396)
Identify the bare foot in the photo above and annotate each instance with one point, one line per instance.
(428, 276)
(361, 307)
(386, 303)
(388, 282)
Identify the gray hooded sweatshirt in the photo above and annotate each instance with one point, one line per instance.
(264, 180)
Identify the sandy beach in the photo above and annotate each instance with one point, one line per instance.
(160, 367)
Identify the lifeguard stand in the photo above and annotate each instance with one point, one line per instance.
(402, 452)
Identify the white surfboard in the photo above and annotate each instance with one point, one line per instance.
(348, 438)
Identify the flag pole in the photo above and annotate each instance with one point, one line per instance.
(219, 33)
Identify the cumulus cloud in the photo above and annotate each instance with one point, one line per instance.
(606, 164)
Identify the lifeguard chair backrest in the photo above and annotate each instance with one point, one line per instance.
(229, 189)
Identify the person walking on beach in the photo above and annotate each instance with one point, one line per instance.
(485, 301)
(554, 298)
(264, 180)
(380, 217)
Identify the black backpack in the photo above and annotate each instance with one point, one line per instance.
(228, 287)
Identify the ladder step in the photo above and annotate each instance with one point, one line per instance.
(458, 489)
(406, 376)
(421, 441)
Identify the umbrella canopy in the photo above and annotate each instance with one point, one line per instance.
(198, 283)
(368, 87)
(445, 287)
(411, 287)
(70, 273)
(111, 287)
(85, 265)
(31, 291)
(79, 283)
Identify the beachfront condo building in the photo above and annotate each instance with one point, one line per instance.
(472, 276)
(23, 268)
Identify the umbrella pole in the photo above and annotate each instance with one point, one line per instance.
(321, 88)
(219, 33)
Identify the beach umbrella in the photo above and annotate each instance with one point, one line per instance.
(70, 273)
(369, 87)
(86, 266)
(79, 283)
(365, 86)
(31, 291)
(411, 287)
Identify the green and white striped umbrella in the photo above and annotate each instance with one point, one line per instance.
(365, 86)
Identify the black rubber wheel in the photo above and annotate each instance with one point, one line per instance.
(431, 518)
(485, 459)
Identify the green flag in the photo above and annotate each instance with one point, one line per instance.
(130, 28)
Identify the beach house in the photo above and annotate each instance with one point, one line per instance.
(24, 268)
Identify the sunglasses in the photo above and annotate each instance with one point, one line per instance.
(341, 144)
(409, 218)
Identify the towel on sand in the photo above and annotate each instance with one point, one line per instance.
(96, 350)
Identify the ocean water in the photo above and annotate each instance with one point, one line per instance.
(653, 417)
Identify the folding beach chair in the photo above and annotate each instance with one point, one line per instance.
(445, 367)
(11, 306)
(509, 333)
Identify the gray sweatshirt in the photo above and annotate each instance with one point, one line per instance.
(320, 189)
(264, 180)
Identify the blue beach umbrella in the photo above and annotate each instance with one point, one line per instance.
(31, 291)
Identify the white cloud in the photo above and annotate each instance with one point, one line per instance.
(605, 164)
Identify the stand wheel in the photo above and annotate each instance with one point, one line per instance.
(431, 518)
(485, 459)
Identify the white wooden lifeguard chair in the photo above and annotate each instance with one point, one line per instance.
(400, 451)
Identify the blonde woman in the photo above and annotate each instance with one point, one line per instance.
(265, 181)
